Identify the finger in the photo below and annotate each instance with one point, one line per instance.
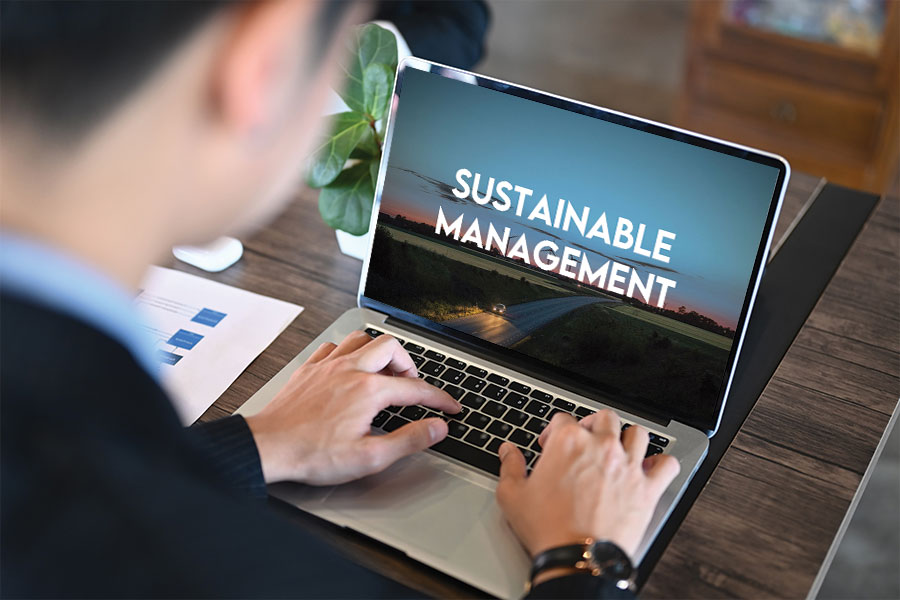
(557, 420)
(635, 440)
(588, 421)
(512, 472)
(321, 352)
(409, 439)
(353, 342)
(661, 470)
(385, 352)
(403, 391)
(606, 422)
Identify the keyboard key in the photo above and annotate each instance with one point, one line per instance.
(498, 379)
(536, 425)
(582, 411)
(413, 413)
(478, 420)
(473, 400)
(380, 418)
(434, 381)
(453, 376)
(470, 455)
(434, 355)
(659, 440)
(473, 383)
(494, 392)
(477, 438)
(516, 417)
(625, 426)
(494, 445)
(519, 387)
(455, 364)
(564, 404)
(653, 450)
(556, 411)
(455, 392)
(393, 409)
(521, 437)
(515, 399)
(476, 371)
(536, 445)
(395, 423)
(542, 396)
(414, 348)
(399, 340)
(373, 332)
(500, 429)
(495, 409)
(419, 360)
(456, 429)
(537, 408)
(528, 454)
(433, 368)
(462, 414)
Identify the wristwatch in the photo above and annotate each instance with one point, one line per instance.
(600, 558)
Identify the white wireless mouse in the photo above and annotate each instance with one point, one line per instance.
(213, 257)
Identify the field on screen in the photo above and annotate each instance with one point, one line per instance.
(619, 342)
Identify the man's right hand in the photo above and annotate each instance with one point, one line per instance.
(587, 483)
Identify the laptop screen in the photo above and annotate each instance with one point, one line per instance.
(614, 253)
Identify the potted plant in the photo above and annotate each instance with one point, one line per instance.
(345, 165)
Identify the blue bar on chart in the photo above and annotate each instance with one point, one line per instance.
(185, 339)
(167, 357)
(210, 317)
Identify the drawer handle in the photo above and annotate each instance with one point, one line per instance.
(784, 111)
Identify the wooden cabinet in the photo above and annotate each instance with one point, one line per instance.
(829, 110)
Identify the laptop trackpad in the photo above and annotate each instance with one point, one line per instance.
(416, 501)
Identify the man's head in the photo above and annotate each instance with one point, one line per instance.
(185, 119)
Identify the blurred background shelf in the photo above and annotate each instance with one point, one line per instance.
(829, 105)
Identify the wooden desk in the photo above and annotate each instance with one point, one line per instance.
(767, 517)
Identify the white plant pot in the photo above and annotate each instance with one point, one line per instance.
(353, 245)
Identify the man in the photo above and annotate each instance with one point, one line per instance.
(132, 127)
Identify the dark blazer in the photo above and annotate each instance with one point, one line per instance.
(103, 493)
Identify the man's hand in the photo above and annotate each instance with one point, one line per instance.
(317, 429)
(587, 483)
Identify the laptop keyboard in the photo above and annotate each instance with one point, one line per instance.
(495, 409)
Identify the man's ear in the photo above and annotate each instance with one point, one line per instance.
(263, 54)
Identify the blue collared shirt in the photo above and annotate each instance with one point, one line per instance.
(46, 276)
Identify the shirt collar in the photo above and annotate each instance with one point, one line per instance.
(47, 276)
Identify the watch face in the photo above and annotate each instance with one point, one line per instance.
(611, 559)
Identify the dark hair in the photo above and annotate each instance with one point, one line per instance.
(66, 64)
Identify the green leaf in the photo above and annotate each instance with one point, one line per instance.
(371, 44)
(346, 203)
(373, 171)
(346, 131)
(367, 148)
(377, 80)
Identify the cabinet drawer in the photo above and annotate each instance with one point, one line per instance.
(802, 108)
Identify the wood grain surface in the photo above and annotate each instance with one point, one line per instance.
(768, 515)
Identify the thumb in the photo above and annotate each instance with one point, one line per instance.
(512, 472)
(661, 470)
(406, 440)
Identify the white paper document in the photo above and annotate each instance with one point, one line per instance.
(205, 334)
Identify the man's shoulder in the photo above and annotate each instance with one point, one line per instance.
(55, 362)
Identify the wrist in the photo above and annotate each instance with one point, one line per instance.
(274, 465)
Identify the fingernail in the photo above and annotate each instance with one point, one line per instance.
(434, 431)
(504, 450)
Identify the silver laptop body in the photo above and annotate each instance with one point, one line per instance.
(441, 511)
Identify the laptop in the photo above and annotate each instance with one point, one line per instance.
(535, 254)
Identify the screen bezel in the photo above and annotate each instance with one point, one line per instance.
(580, 384)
